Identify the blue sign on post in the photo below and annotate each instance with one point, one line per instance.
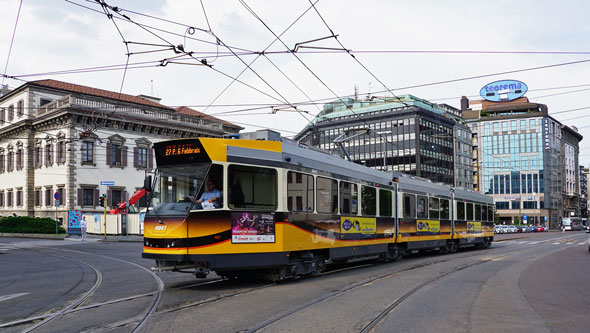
(56, 196)
(107, 182)
(524, 217)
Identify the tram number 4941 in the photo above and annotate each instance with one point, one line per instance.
(161, 228)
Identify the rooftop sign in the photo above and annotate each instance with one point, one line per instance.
(504, 90)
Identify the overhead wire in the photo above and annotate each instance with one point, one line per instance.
(11, 42)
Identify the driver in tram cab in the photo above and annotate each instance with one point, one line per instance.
(211, 197)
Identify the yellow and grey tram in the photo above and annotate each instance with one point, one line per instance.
(288, 210)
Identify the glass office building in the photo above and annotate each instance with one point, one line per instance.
(520, 160)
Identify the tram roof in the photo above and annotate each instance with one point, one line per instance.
(300, 155)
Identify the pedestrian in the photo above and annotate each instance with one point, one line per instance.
(83, 226)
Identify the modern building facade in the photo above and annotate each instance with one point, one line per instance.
(62, 140)
(405, 134)
(520, 155)
(583, 192)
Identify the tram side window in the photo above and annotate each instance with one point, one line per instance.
(258, 186)
(385, 204)
(409, 206)
(484, 213)
(368, 200)
(469, 211)
(348, 198)
(444, 209)
(477, 212)
(491, 213)
(422, 207)
(299, 192)
(434, 209)
(327, 195)
(460, 210)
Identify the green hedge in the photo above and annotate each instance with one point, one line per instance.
(29, 225)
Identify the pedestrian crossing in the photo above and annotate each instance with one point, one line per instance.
(548, 241)
(38, 243)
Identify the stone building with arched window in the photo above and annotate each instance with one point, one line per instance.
(59, 139)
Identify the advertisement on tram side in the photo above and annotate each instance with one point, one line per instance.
(249, 227)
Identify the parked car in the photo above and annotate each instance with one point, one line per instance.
(546, 228)
(540, 228)
(512, 228)
(497, 229)
(532, 228)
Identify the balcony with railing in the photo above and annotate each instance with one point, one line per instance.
(136, 111)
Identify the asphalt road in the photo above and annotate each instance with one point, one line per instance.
(523, 283)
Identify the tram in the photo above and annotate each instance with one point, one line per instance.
(288, 210)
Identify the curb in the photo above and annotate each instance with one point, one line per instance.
(121, 240)
(37, 236)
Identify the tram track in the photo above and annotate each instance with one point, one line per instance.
(501, 253)
(73, 304)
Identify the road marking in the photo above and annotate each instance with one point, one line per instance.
(7, 297)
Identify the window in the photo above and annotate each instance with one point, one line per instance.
(142, 157)
(422, 207)
(62, 196)
(444, 209)
(299, 194)
(484, 213)
(385, 203)
(48, 197)
(469, 211)
(9, 199)
(37, 197)
(490, 213)
(258, 185)
(116, 155)
(10, 161)
(10, 112)
(348, 198)
(368, 200)
(409, 206)
(19, 197)
(327, 195)
(19, 159)
(1, 115)
(477, 212)
(20, 108)
(142, 154)
(1, 162)
(513, 125)
(61, 152)
(37, 157)
(48, 155)
(88, 197)
(434, 208)
(87, 152)
(1, 198)
(523, 125)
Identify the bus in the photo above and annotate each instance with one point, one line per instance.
(572, 223)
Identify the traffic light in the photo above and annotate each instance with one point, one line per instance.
(102, 200)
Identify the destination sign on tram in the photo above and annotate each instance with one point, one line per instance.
(182, 151)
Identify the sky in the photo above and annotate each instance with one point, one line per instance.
(435, 50)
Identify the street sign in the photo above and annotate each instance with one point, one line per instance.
(56, 196)
(107, 182)
(524, 217)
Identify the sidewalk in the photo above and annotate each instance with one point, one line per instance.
(109, 238)
(90, 237)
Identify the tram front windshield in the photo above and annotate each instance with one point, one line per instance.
(176, 187)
